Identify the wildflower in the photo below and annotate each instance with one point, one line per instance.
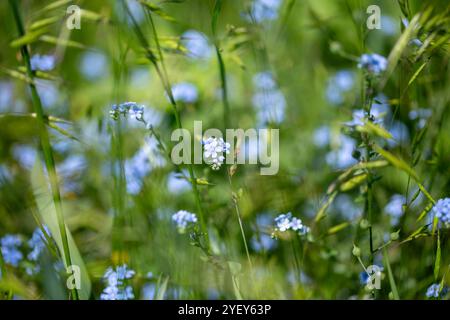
(420, 115)
(117, 288)
(268, 100)
(341, 157)
(177, 183)
(399, 132)
(185, 92)
(346, 206)
(183, 219)
(196, 44)
(339, 84)
(37, 243)
(263, 10)
(286, 222)
(321, 136)
(127, 108)
(93, 65)
(394, 208)
(373, 63)
(10, 249)
(283, 221)
(42, 62)
(441, 210)
(213, 151)
(25, 155)
(434, 291)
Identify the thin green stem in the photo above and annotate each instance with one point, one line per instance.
(162, 74)
(45, 141)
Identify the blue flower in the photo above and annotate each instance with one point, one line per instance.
(93, 65)
(264, 10)
(434, 291)
(441, 210)
(268, 100)
(285, 222)
(394, 208)
(373, 63)
(341, 157)
(196, 44)
(10, 249)
(185, 92)
(420, 115)
(117, 287)
(339, 84)
(184, 219)
(177, 183)
(42, 62)
(37, 243)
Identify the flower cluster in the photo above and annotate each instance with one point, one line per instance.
(374, 63)
(434, 291)
(127, 108)
(117, 288)
(441, 210)
(213, 151)
(285, 222)
(10, 247)
(183, 219)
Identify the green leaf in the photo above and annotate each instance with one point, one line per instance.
(61, 42)
(321, 213)
(338, 228)
(353, 182)
(28, 38)
(235, 270)
(390, 275)
(47, 213)
(157, 10)
(437, 261)
(374, 129)
(402, 165)
(43, 23)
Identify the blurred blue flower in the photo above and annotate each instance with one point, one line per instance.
(421, 116)
(394, 208)
(6, 96)
(10, 247)
(93, 65)
(263, 10)
(185, 92)
(37, 243)
(262, 242)
(184, 219)
(346, 207)
(176, 183)
(48, 92)
(434, 291)
(196, 44)
(149, 291)
(389, 26)
(400, 134)
(268, 100)
(25, 155)
(264, 81)
(321, 136)
(373, 63)
(42, 62)
(341, 157)
(338, 85)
